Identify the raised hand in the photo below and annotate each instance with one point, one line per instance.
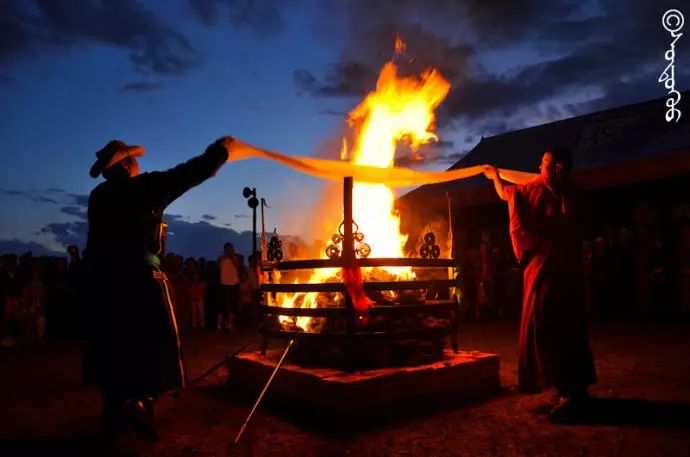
(490, 171)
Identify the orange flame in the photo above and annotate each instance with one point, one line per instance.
(399, 111)
(399, 46)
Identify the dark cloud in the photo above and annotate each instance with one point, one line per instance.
(30, 195)
(141, 87)
(209, 217)
(435, 152)
(67, 233)
(80, 199)
(241, 216)
(441, 144)
(186, 238)
(412, 160)
(332, 112)
(510, 64)
(201, 239)
(37, 26)
(304, 80)
(20, 247)
(205, 10)
(73, 204)
(341, 79)
(262, 17)
(74, 211)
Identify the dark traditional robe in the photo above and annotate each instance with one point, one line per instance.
(132, 342)
(546, 218)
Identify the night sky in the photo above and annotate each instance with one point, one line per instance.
(175, 75)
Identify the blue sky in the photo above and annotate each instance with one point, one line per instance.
(175, 75)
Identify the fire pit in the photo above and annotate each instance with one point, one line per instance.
(368, 355)
(368, 329)
(404, 322)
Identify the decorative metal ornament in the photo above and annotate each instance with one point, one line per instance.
(275, 251)
(334, 248)
(430, 248)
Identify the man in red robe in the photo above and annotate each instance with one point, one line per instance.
(546, 230)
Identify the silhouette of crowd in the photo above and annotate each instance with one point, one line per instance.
(42, 298)
(630, 272)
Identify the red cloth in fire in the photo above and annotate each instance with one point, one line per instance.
(546, 229)
(352, 278)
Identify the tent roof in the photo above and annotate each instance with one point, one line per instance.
(625, 144)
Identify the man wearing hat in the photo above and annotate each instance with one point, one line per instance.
(132, 344)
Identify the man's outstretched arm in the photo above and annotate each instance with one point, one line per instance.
(166, 186)
(491, 172)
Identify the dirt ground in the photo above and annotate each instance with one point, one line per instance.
(643, 409)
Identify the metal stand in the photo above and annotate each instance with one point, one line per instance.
(263, 392)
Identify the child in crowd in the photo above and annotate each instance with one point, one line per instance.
(196, 291)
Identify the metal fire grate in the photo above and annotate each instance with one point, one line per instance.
(353, 333)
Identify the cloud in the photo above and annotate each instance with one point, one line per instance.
(30, 195)
(341, 79)
(30, 28)
(141, 87)
(74, 211)
(190, 239)
(510, 64)
(412, 160)
(80, 199)
(241, 216)
(51, 196)
(20, 247)
(209, 217)
(262, 17)
(201, 239)
(205, 10)
(67, 233)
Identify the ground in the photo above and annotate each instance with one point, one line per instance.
(644, 381)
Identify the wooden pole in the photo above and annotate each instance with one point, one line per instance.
(348, 255)
(348, 260)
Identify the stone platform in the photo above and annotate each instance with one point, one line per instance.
(462, 377)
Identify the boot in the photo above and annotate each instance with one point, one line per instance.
(141, 418)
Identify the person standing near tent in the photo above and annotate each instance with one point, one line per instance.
(546, 230)
(133, 349)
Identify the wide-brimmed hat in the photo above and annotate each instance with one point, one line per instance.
(112, 153)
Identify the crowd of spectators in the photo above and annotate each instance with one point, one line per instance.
(217, 294)
(628, 273)
(42, 298)
(39, 297)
